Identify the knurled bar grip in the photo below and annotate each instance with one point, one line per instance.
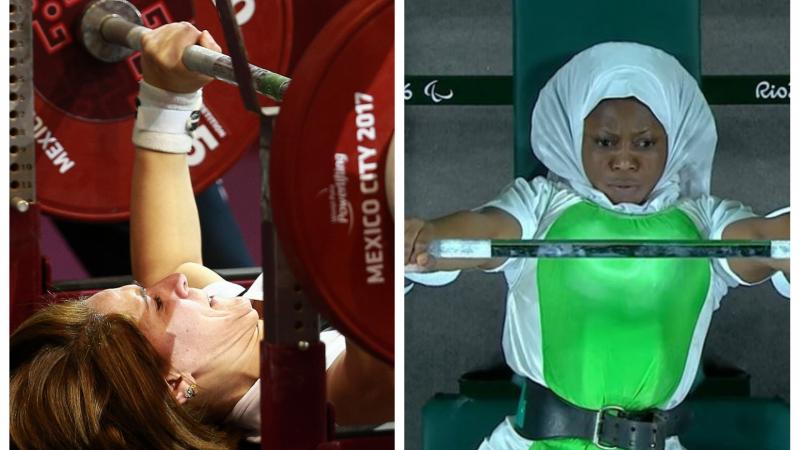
(117, 30)
(485, 248)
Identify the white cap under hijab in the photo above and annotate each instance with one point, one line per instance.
(620, 70)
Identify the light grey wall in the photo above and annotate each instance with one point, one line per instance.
(459, 157)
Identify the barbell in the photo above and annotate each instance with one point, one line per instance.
(84, 107)
(111, 30)
(635, 248)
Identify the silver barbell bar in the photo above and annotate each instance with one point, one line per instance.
(486, 248)
(111, 30)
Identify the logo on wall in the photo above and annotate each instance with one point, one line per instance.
(430, 91)
(765, 89)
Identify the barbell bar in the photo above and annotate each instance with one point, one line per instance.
(111, 30)
(532, 248)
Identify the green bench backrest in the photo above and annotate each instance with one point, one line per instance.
(548, 33)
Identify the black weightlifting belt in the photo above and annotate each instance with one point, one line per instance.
(544, 415)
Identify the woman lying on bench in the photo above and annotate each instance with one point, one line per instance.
(171, 361)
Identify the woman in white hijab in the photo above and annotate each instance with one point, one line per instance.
(608, 348)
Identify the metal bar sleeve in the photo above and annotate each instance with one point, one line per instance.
(117, 30)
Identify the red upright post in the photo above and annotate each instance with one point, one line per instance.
(25, 268)
(293, 405)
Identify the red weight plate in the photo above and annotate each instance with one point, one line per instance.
(85, 108)
(327, 173)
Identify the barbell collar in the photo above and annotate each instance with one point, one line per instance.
(112, 30)
(485, 248)
(114, 48)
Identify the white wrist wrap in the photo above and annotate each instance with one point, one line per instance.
(165, 121)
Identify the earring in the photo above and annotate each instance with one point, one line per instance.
(190, 391)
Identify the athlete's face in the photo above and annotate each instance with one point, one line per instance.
(624, 150)
(184, 325)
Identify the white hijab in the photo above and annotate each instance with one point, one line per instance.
(620, 70)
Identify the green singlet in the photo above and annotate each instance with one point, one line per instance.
(616, 332)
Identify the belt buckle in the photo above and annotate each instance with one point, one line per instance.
(599, 423)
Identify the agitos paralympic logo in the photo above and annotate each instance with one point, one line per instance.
(430, 91)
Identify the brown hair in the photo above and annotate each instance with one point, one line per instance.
(80, 379)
